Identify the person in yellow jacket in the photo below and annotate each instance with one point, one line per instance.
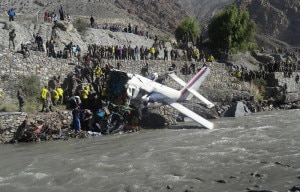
(196, 54)
(60, 94)
(88, 88)
(211, 58)
(238, 74)
(55, 97)
(152, 51)
(98, 71)
(84, 96)
(44, 97)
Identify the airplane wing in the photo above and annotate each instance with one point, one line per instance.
(203, 99)
(177, 79)
(191, 114)
(194, 92)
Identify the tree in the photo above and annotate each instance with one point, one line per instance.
(231, 30)
(187, 30)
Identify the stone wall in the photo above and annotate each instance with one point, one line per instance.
(14, 68)
(286, 86)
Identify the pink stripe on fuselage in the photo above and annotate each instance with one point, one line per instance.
(192, 82)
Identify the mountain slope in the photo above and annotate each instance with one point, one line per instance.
(203, 10)
(163, 14)
(148, 14)
(277, 18)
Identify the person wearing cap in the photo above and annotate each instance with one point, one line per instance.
(21, 97)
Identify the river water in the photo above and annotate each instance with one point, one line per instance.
(257, 152)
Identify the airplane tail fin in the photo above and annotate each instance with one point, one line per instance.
(190, 89)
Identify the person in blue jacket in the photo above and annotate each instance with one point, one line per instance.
(11, 13)
(76, 112)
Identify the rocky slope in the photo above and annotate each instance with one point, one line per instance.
(162, 14)
(278, 19)
(203, 10)
(159, 16)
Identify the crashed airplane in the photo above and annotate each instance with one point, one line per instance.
(144, 92)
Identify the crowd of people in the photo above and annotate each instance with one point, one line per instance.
(96, 96)
(53, 17)
(285, 61)
(120, 28)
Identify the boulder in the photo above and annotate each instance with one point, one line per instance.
(238, 109)
(295, 188)
(62, 26)
(263, 57)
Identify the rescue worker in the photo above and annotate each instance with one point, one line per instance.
(98, 71)
(84, 96)
(55, 97)
(60, 94)
(196, 54)
(43, 98)
(211, 58)
(152, 51)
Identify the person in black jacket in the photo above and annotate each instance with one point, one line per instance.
(21, 97)
(92, 21)
(39, 41)
(12, 35)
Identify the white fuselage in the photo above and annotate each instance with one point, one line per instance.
(156, 91)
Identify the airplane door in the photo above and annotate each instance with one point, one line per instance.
(132, 91)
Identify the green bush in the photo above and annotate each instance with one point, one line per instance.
(32, 88)
(232, 30)
(188, 29)
(8, 107)
(260, 83)
(258, 89)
